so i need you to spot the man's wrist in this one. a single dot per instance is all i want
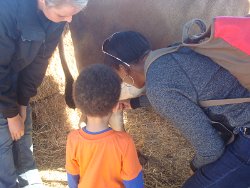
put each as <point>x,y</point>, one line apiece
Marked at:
<point>22,107</point>
<point>10,113</point>
<point>23,101</point>
<point>12,118</point>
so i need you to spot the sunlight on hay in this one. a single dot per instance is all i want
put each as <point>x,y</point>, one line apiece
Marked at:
<point>54,178</point>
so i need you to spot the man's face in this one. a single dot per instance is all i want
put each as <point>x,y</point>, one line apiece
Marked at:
<point>60,13</point>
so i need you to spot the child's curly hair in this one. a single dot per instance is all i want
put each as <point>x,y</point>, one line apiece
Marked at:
<point>97,90</point>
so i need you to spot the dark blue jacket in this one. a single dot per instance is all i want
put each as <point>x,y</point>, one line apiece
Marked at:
<point>27,41</point>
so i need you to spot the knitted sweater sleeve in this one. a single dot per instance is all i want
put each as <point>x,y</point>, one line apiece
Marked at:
<point>173,96</point>
<point>193,124</point>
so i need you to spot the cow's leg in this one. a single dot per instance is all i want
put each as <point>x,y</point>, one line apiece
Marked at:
<point>116,120</point>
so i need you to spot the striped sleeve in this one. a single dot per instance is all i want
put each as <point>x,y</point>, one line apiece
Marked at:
<point>73,180</point>
<point>135,183</point>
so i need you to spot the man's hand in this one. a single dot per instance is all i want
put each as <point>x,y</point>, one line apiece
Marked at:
<point>16,127</point>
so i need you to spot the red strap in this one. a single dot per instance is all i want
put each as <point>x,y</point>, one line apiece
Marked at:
<point>235,31</point>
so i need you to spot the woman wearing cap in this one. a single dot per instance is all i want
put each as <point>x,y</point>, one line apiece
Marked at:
<point>29,33</point>
<point>175,83</point>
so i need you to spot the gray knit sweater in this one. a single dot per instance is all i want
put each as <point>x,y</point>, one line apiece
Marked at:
<point>176,82</point>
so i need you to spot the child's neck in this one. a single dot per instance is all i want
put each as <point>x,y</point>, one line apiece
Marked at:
<point>96,124</point>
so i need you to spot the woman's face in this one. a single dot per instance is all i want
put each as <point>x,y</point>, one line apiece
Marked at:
<point>59,13</point>
<point>131,76</point>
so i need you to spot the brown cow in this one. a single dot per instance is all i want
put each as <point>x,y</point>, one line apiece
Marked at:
<point>160,21</point>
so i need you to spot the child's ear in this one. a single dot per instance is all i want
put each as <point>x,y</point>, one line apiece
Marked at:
<point>116,108</point>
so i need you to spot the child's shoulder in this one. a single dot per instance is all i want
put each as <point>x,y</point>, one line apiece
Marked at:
<point>124,142</point>
<point>74,134</point>
<point>123,136</point>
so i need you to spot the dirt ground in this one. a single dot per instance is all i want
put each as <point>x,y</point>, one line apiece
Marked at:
<point>167,152</point>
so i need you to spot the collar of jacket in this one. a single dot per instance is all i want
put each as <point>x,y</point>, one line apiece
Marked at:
<point>28,22</point>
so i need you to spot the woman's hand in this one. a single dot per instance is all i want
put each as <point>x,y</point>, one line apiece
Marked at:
<point>125,104</point>
<point>191,172</point>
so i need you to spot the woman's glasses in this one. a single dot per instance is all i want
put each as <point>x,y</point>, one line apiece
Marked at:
<point>123,62</point>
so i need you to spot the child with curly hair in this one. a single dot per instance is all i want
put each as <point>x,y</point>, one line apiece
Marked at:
<point>96,155</point>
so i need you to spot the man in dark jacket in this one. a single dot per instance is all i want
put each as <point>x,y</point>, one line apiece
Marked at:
<point>29,33</point>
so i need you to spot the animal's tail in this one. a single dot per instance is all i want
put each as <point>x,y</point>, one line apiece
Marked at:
<point>68,77</point>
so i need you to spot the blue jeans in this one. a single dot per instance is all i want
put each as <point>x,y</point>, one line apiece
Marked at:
<point>16,157</point>
<point>232,170</point>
